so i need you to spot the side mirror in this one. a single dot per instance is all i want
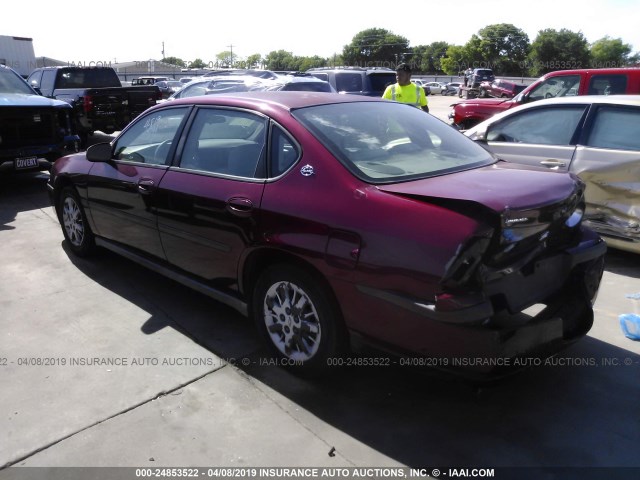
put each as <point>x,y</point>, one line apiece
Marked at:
<point>479,136</point>
<point>100,152</point>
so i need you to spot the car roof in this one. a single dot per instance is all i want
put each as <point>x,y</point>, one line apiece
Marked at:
<point>268,100</point>
<point>587,100</point>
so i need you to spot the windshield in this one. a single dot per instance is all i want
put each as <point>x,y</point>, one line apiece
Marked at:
<point>11,82</point>
<point>386,142</point>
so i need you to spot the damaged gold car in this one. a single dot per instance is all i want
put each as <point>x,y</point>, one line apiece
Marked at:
<point>595,137</point>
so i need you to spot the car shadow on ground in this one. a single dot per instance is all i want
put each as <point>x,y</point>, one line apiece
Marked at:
<point>20,193</point>
<point>569,411</point>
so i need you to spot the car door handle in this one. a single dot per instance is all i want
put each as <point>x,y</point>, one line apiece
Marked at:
<point>145,186</point>
<point>240,206</point>
<point>552,163</point>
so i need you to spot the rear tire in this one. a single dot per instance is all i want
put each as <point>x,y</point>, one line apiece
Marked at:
<point>75,226</point>
<point>298,319</point>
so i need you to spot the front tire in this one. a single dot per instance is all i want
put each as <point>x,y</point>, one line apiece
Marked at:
<point>298,319</point>
<point>75,226</point>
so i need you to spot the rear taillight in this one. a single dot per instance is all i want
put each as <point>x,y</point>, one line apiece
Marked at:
<point>87,103</point>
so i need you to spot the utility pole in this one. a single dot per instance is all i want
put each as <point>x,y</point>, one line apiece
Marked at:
<point>231,47</point>
<point>163,50</point>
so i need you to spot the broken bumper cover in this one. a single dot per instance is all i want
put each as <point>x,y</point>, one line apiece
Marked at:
<point>476,338</point>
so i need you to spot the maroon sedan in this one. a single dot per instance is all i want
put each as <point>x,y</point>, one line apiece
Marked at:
<point>325,215</point>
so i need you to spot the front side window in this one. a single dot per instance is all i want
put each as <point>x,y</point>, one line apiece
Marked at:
<point>561,86</point>
<point>616,128</point>
<point>384,142</point>
<point>226,142</point>
<point>543,126</point>
<point>150,138</point>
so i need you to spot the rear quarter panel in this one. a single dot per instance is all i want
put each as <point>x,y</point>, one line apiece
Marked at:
<point>356,235</point>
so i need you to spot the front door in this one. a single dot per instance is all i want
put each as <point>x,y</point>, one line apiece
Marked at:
<point>122,192</point>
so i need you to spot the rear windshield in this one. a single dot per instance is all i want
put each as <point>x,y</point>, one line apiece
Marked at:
<point>387,142</point>
<point>307,87</point>
<point>87,78</point>
<point>380,81</point>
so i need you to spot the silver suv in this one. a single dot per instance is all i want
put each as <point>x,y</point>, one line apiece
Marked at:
<point>356,80</point>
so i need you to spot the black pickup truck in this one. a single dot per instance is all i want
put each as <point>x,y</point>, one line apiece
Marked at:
<point>34,131</point>
<point>99,100</point>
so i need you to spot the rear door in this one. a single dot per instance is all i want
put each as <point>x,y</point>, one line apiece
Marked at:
<point>543,137</point>
<point>209,205</point>
<point>122,192</point>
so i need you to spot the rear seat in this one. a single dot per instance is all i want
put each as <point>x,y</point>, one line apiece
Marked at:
<point>226,156</point>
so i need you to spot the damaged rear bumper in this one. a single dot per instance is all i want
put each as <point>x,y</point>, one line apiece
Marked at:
<point>489,330</point>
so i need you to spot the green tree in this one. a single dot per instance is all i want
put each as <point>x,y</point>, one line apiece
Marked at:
<point>610,52</point>
<point>197,63</point>
<point>376,47</point>
<point>459,58</point>
<point>178,62</point>
<point>225,59</point>
<point>503,48</point>
<point>254,60</point>
<point>558,50</point>
<point>312,62</point>
<point>428,58</point>
<point>455,61</point>
<point>280,60</point>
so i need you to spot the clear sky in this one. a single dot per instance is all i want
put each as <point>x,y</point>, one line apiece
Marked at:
<point>109,31</point>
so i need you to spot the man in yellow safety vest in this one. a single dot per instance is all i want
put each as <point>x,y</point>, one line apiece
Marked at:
<point>405,91</point>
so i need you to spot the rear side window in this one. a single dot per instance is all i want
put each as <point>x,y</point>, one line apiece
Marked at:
<point>46,85</point>
<point>616,128</point>
<point>348,82</point>
<point>542,126</point>
<point>284,152</point>
<point>607,85</point>
<point>225,141</point>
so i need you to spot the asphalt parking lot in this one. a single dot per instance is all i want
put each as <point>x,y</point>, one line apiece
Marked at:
<point>105,364</point>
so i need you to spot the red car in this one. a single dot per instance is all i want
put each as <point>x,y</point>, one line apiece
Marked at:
<point>560,83</point>
<point>500,88</point>
<point>321,215</point>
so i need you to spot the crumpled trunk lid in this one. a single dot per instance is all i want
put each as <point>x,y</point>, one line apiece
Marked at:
<point>497,187</point>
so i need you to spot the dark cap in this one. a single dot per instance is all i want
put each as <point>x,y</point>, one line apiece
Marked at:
<point>403,67</point>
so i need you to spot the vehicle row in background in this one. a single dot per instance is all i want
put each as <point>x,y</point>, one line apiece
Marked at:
<point>98,99</point>
<point>34,131</point>
<point>605,81</point>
